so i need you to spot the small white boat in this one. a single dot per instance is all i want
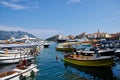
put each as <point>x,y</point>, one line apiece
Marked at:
<point>45,44</point>
<point>5,59</point>
<point>10,51</point>
<point>13,72</point>
<point>25,67</point>
<point>106,52</point>
<point>117,52</point>
<point>13,56</point>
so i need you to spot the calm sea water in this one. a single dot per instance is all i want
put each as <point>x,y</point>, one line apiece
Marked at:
<point>52,69</point>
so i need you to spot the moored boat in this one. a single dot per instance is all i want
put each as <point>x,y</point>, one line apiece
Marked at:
<point>103,61</point>
<point>46,44</point>
<point>61,39</point>
<point>13,59</point>
<point>90,59</point>
<point>69,46</point>
<point>107,52</point>
<point>105,48</point>
<point>19,52</point>
<point>13,72</point>
<point>117,53</point>
<point>23,69</point>
<point>68,49</point>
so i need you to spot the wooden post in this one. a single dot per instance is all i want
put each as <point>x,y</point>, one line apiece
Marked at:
<point>6,51</point>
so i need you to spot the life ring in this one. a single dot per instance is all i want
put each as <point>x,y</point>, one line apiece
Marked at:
<point>21,77</point>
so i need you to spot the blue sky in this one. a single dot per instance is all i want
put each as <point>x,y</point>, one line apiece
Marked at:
<point>45,18</point>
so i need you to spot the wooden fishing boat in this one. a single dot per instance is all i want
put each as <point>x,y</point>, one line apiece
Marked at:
<point>102,61</point>
<point>91,57</point>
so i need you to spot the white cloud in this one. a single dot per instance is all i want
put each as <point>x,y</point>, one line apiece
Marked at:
<point>14,0</point>
<point>19,4</point>
<point>40,33</point>
<point>12,5</point>
<point>9,28</point>
<point>74,1</point>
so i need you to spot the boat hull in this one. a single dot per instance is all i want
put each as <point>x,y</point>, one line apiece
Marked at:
<point>61,40</point>
<point>107,52</point>
<point>46,46</point>
<point>10,60</point>
<point>99,62</point>
<point>117,53</point>
<point>65,49</point>
<point>20,73</point>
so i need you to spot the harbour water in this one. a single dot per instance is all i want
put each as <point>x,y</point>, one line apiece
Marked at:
<point>52,69</point>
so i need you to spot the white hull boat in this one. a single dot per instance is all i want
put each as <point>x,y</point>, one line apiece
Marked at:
<point>14,73</point>
<point>18,52</point>
<point>117,53</point>
<point>13,59</point>
<point>11,52</point>
<point>106,52</point>
<point>25,66</point>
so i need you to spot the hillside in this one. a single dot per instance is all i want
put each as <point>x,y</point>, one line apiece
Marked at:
<point>17,34</point>
<point>52,38</point>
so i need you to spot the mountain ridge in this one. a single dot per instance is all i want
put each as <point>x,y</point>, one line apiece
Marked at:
<point>17,34</point>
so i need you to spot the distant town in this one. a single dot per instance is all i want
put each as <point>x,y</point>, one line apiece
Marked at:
<point>5,35</point>
<point>97,35</point>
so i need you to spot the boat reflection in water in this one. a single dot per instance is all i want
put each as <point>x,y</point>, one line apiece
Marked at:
<point>90,73</point>
<point>116,70</point>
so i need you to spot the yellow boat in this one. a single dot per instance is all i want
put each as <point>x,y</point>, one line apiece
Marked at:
<point>65,49</point>
<point>102,61</point>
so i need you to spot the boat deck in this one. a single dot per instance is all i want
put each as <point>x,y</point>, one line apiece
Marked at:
<point>93,57</point>
<point>8,68</point>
